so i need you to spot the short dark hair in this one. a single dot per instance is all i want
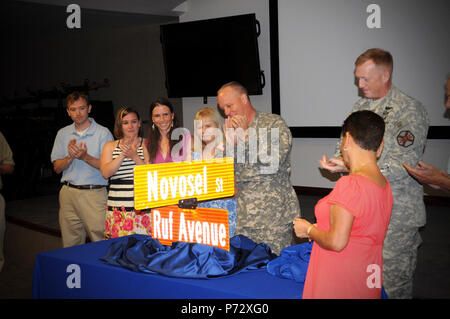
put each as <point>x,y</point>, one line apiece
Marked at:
<point>74,96</point>
<point>366,128</point>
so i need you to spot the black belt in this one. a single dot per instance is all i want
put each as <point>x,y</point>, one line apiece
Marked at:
<point>84,186</point>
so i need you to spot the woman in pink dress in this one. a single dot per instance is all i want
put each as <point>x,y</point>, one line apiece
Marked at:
<point>166,141</point>
<point>346,259</point>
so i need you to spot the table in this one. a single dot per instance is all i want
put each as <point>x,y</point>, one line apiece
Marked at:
<point>78,272</point>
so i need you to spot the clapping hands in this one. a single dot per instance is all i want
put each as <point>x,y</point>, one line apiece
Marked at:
<point>427,174</point>
<point>230,128</point>
<point>236,121</point>
<point>129,149</point>
<point>77,151</point>
<point>334,165</point>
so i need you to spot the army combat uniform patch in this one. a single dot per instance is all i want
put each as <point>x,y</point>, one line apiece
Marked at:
<point>405,138</point>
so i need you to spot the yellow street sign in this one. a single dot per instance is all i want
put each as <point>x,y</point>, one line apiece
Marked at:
<point>202,225</point>
<point>157,185</point>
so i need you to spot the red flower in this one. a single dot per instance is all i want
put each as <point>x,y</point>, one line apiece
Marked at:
<point>106,226</point>
<point>145,221</point>
<point>117,215</point>
<point>128,224</point>
<point>115,231</point>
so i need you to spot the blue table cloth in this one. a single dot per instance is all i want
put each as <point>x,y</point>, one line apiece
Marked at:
<point>79,272</point>
<point>188,260</point>
<point>292,263</point>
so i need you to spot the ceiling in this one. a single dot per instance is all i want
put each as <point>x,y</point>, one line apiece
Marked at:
<point>149,7</point>
<point>50,15</point>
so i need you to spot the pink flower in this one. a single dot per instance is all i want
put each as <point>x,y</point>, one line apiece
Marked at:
<point>145,221</point>
<point>128,224</point>
<point>117,216</point>
<point>115,231</point>
<point>106,226</point>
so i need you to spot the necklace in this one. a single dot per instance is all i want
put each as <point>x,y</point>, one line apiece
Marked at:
<point>358,169</point>
<point>363,164</point>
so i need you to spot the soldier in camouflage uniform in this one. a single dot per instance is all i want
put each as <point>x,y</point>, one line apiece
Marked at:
<point>404,141</point>
<point>267,202</point>
<point>427,173</point>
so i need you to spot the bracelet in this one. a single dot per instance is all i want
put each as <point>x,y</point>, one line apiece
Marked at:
<point>309,230</point>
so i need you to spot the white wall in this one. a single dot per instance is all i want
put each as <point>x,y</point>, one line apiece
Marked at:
<point>320,40</point>
<point>306,151</point>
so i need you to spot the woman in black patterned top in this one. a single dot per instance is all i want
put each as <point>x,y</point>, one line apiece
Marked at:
<point>117,163</point>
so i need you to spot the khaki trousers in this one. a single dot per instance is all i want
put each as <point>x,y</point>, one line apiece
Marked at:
<point>81,212</point>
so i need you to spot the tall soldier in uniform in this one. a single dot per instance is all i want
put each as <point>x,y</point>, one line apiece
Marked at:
<point>404,141</point>
<point>267,202</point>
